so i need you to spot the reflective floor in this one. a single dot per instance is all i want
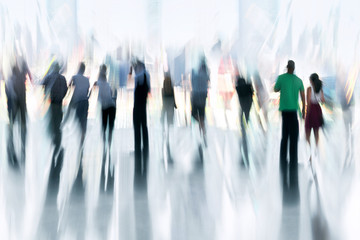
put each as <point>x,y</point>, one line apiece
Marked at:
<point>195,192</point>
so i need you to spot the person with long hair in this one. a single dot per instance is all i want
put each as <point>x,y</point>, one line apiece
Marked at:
<point>314,118</point>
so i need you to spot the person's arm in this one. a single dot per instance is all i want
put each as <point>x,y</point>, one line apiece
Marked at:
<point>302,94</point>
<point>148,82</point>
<point>71,82</point>
<point>322,97</point>
<point>91,89</point>
<point>64,87</point>
<point>277,86</point>
<point>45,81</point>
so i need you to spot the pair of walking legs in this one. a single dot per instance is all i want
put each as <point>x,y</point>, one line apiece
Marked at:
<point>316,133</point>
<point>108,120</point>
<point>140,129</point>
<point>56,116</point>
<point>290,131</point>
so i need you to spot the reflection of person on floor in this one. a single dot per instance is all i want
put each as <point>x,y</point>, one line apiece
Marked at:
<point>79,101</point>
<point>142,89</point>
<point>169,104</point>
<point>200,79</point>
<point>289,86</point>
<point>314,118</point>
<point>56,87</point>
<point>245,93</point>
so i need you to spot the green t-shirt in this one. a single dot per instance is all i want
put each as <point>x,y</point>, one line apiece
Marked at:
<point>289,86</point>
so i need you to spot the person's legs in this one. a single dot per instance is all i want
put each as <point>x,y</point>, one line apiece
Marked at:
<point>316,133</point>
<point>137,142</point>
<point>55,124</point>
<point>81,114</point>
<point>104,114</point>
<point>245,160</point>
<point>308,133</point>
<point>284,146</point>
<point>294,136</point>
<point>145,136</point>
<point>57,115</point>
<point>112,115</point>
<point>284,136</point>
<point>23,130</point>
<point>201,112</point>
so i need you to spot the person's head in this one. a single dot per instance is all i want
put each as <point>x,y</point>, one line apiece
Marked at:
<point>139,66</point>
<point>290,66</point>
<point>56,67</point>
<point>15,69</point>
<point>315,82</point>
<point>102,71</point>
<point>81,68</point>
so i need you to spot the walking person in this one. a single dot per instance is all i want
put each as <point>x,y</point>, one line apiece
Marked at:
<point>167,113</point>
<point>108,106</point>
<point>200,79</point>
<point>56,88</point>
<point>16,94</point>
<point>107,101</point>
<point>245,93</point>
<point>80,100</point>
<point>314,118</point>
<point>142,89</point>
<point>289,86</point>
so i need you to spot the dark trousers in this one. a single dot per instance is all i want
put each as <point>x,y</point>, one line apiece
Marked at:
<point>290,130</point>
<point>140,124</point>
<point>108,119</point>
<point>55,119</point>
<point>56,115</point>
<point>82,108</point>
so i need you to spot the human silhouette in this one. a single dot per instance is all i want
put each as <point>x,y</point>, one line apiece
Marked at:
<point>314,118</point>
<point>80,100</point>
<point>142,89</point>
<point>245,93</point>
<point>200,79</point>
<point>107,101</point>
<point>289,86</point>
<point>167,113</point>
<point>55,88</point>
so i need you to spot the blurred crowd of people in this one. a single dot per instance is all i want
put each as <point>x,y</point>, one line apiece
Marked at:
<point>249,88</point>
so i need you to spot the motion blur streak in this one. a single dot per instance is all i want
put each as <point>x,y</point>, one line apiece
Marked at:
<point>158,119</point>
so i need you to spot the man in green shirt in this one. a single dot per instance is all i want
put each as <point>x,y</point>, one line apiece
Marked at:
<point>289,86</point>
